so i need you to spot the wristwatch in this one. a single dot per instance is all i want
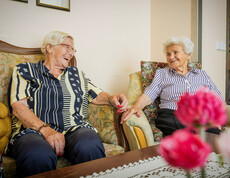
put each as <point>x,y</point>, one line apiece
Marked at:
<point>44,125</point>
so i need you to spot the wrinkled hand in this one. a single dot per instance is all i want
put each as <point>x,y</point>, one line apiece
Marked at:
<point>119,101</point>
<point>55,139</point>
<point>127,114</point>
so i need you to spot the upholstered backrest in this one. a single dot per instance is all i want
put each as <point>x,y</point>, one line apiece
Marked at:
<point>135,87</point>
<point>7,63</point>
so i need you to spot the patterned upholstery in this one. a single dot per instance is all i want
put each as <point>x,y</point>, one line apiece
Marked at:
<point>105,125</point>
<point>102,117</point>
<point>148,70</point>
<point>7,62</point>
<point>135,87</point>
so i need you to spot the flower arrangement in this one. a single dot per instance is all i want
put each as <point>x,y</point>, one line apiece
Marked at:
<point>197,112</point>
<point>184,149</point>
<point>203,109</point>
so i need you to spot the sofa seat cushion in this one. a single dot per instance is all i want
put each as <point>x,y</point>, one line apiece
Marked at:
<point>111,149</point>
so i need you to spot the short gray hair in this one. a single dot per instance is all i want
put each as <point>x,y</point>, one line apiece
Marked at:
<point>184,41</point>
<point>54,38</point>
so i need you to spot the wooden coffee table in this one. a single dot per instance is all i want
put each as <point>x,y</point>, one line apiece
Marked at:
<point>103,164</point>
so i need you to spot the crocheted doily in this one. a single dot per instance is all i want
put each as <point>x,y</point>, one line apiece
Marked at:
<point>158,167</point>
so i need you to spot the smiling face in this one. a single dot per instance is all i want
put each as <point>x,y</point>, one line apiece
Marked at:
<point>61,54</point>
<point>177,58</point>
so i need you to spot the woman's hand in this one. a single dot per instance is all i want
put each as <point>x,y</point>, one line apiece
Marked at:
<point>55,139</point>
<point>119,101</point>
<point>30,120</point>
<point>141,102</point>
<point>127,114</point>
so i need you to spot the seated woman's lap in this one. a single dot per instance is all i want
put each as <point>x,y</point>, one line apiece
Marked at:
<point>33,155</point>
<point>83,145</point>
<point>168,123</point>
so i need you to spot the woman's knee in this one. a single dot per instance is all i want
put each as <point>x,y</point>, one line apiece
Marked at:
<point>88,145</point>
<point>34,163</point>
<point>34,155</point>
<point>39,155</point>
<point>88,141</point>
<point>84,145</point>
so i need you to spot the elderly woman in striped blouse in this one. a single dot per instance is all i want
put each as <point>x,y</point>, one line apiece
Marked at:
<point>169,83</point>
<point>49,101</point>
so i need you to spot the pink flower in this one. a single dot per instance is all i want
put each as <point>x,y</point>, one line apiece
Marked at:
<point>203,108</point>
<point>184,149</point>
<point>223,143</point>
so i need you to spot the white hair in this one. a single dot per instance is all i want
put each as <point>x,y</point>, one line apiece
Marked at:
<point>184,41</point>
<point>54,38</point>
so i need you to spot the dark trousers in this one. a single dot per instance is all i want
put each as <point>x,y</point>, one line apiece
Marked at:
<point>34,154</point>
<point>168,123</point>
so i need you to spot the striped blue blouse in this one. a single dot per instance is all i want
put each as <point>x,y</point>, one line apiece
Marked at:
<point>61,102</point>
<point>169,85</point>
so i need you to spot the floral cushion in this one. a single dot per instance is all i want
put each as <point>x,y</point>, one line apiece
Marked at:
<point>111,149</point>
<point>135,87</point>
<point>102,118</point>
<point>148,70</point>
<point>7,63</point>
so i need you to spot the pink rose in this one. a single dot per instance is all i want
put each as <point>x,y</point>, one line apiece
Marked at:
<point>184,149</point>
<point>203,108</point>
<point>223,143</point>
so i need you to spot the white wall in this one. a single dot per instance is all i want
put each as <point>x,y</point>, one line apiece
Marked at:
<point>214,30</point>
<point>168,18</point>
<point>173,18</point>
<point>111,36</point>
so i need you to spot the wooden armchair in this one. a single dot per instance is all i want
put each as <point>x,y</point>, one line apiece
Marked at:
<point>103,117</point>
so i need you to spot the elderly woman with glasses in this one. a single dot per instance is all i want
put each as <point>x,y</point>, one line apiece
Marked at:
<point>49,102</point>
<point>171,82</point>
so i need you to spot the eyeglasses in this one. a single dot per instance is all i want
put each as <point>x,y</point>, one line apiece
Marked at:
<point>69,48</point>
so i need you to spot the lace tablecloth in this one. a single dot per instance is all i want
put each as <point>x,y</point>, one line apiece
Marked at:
<point>158,167</point>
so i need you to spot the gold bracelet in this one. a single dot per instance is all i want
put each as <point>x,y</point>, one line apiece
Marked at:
<point>43,125</point>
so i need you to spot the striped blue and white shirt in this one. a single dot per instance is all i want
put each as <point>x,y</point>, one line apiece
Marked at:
<point>61,102</point>
<point>169,85</point>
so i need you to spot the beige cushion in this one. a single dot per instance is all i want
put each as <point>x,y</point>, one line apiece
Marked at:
<point>135,87</point>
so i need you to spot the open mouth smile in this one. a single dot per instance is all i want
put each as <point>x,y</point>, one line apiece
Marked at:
<point>173,61</point>
<point>67,59</point>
